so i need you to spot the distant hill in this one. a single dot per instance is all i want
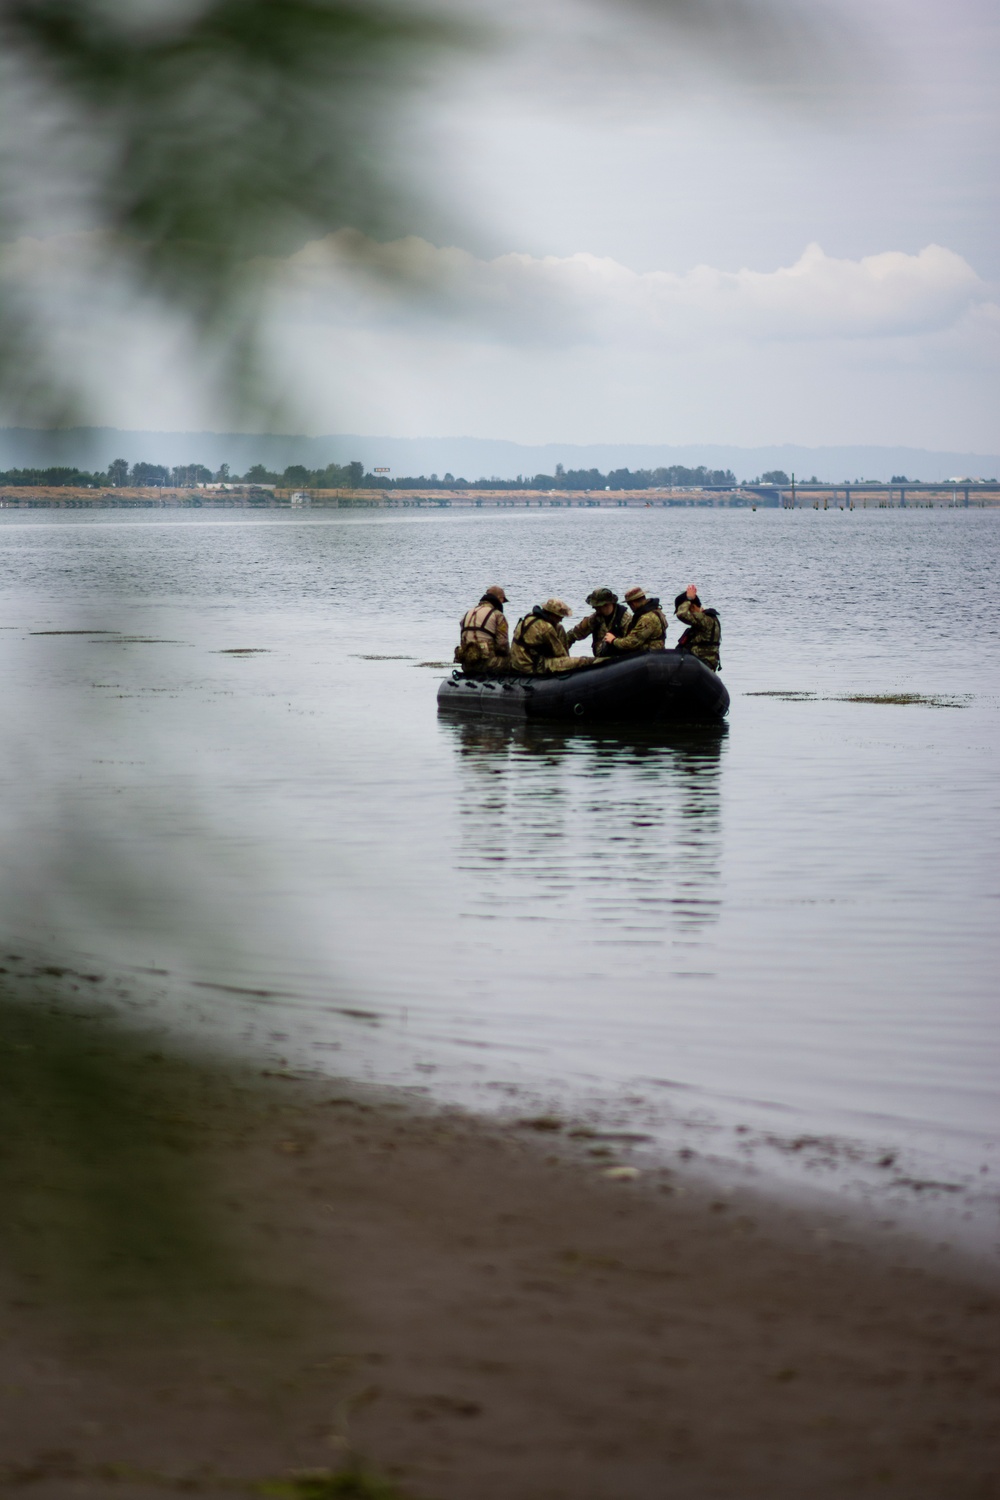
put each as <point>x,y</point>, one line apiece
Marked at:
<point>470,458</point>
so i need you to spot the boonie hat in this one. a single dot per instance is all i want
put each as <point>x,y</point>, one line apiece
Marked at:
<point>635,596</point>
<point>497,592</point>
<point>556,607</point>
<point>602,596</point>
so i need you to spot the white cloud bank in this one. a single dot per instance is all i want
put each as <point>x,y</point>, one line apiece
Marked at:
<point>410,339</point>
<point>561,301</point>
<point>414,340</point>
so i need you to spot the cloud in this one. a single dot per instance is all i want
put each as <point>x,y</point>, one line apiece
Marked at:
<point>413,339</point>
<point>582,298</point>
<point>562,301</point>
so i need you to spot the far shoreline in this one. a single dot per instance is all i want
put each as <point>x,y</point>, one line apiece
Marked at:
<point>844,496</point>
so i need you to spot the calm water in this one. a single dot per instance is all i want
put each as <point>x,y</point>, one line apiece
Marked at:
<point>793,919</point>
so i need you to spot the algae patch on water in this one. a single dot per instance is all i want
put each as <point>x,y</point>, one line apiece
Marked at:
<point>790,695</point>
<point>929,700</point>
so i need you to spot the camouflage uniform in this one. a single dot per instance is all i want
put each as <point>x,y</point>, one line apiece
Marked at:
<point>484,645</point>
<point>704,633</point>
<point>597,625</point>
<point>647,630</point>
<point>540,646</point>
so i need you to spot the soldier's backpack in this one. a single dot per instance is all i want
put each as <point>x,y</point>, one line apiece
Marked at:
<point>472,650</point>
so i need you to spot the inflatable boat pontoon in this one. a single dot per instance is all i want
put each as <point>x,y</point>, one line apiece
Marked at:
<point>656,687</point>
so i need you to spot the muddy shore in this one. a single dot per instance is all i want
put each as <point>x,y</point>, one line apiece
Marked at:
<point>477,1310</point>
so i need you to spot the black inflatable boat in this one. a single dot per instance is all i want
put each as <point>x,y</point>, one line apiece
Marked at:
<point>657,687</point>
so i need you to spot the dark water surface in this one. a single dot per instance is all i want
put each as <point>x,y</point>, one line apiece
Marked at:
<point>792,919</point>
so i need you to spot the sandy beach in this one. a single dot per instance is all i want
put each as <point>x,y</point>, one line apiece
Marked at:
<point>479,1311</point>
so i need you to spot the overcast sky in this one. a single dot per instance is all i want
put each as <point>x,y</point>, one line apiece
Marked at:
<point>620,231</point>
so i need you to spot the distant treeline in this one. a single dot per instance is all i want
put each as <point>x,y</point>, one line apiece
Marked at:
<point>571,479</point>
<point>51,477</point>
<point>353,476</point>
<point>120,475</point>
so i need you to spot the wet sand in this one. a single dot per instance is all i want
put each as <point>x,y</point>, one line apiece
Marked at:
<point>480,1313</point>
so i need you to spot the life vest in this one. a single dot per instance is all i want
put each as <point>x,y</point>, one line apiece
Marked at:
<point>715,629</point>
<point>612,624</point>
<point>650,606</point>
<point>478,639</point>
<point>709,640</point>
<point>534,654</point>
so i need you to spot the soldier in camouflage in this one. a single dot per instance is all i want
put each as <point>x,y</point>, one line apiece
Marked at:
<point>608,615</point>
<point>484,645</point>
<point>540,644</point>
<point>703,636</point>
<point>647,629</point>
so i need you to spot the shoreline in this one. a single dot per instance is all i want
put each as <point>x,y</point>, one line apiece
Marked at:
<point>881,1182</point>
<point>885,1180</point>
<point>498,1309</point>
<point>873,496</point>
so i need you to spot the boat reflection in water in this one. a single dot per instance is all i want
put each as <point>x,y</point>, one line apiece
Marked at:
<point>618,828</point>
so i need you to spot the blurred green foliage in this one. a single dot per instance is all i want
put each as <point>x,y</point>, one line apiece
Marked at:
<point>105,1198</point>
<point>198,138</point>
<point>227,130</point>
<point>352,1483</point>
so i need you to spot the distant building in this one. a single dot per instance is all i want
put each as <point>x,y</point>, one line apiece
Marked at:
<point>218,484</point>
